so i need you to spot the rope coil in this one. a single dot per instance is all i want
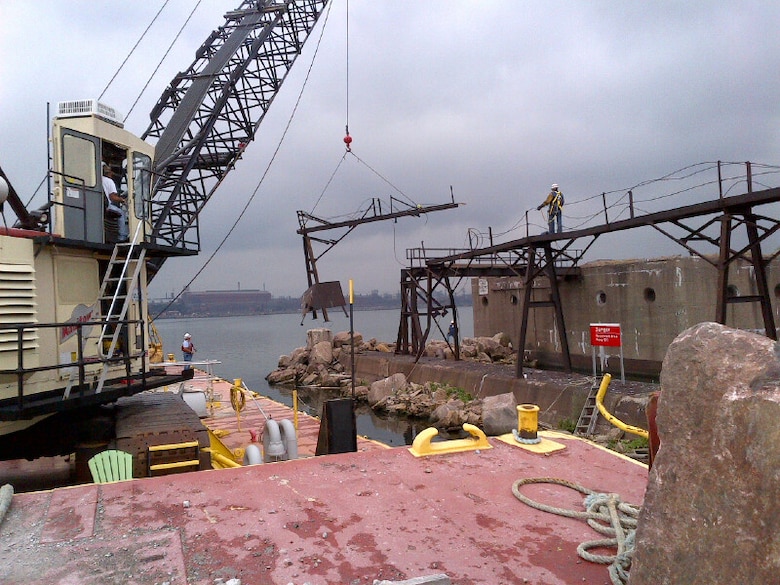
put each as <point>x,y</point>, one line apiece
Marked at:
<point>606,514</point>
<point>237,398</point>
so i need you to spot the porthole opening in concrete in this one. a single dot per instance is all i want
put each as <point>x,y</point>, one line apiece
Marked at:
<point>484,302</point>
<point>777,291</point>
<point>732,291</point>
<point>601,298</point>
<point>649,294</point>
<point>513,299</point>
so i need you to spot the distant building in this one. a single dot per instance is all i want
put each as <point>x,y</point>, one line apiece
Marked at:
<point>226,302</point>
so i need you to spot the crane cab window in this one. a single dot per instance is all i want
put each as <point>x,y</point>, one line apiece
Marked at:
<point>79,157</point>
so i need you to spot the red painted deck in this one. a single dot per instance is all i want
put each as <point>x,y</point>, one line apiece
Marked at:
<point>234,431</point>
<point>348,518</point>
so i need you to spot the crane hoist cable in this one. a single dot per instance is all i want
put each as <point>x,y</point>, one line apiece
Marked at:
<point>347,138</point>
<point>173,42</point>
<point>138,42</point>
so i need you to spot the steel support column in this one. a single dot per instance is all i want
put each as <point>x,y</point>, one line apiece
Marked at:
<point>548,267</point>
<point>759,270</point>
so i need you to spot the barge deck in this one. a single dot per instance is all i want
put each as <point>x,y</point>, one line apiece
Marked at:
<point>351,518</point>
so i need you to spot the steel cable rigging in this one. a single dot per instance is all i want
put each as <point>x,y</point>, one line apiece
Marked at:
<point>138,42</point>
<point>159,64</point>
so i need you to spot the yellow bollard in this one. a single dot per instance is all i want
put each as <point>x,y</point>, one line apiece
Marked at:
<point>527,423</point>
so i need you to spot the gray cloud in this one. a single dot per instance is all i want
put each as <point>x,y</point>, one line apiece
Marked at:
<point>497,99</point>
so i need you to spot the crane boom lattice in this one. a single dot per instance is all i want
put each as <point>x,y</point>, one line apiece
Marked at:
<point>210,112</point>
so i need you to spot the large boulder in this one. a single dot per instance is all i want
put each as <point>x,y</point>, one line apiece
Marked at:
<point>499,414</point>
<point>343,338</point>
<point>503,339</point>
<point>487,345</point>
<point>713,496</point>
<point>380,390</point>
<point>449,415</point>
<point>299,355</point>
<point>286,376</point>
<point>321,353</point>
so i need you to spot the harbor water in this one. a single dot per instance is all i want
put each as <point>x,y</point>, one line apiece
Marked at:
<point>249,347</point>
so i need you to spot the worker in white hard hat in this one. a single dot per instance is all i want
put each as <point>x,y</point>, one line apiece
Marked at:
<point>554,203</point>
<point>187,348</point>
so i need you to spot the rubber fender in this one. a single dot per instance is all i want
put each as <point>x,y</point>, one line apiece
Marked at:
<point>196,401</point>
<point>252,455</point>
<point>289,438</point>
<point>273,446</point>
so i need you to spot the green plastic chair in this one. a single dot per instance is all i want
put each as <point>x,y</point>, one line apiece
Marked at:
<point>110,466</point>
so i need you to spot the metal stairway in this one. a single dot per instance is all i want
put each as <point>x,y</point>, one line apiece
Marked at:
<point>589,415</point>
<point>121,277</point>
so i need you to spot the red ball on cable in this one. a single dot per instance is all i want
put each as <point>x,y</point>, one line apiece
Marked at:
<point>348,141</point>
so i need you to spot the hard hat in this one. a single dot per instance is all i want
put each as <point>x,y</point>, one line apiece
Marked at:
<point>554,186</point>
<point>187,336</point>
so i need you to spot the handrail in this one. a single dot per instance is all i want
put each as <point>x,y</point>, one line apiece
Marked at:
<point>613,419</point>
<point>81,360</point>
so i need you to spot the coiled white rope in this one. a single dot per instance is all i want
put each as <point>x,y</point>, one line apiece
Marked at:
<point>606,514</point>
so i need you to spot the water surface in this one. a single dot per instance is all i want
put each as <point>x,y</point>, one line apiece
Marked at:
<point>249,348</point>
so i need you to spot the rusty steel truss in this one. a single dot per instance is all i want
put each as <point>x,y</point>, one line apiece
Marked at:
<point>372,213</point>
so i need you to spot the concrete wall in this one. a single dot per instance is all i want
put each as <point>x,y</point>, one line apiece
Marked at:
<point>652,300</point>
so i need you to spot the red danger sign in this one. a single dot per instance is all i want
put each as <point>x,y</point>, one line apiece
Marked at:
<point>605,334</point>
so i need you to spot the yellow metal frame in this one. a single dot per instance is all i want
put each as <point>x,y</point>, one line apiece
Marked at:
<point>175,464</point>
<point>221,455</point>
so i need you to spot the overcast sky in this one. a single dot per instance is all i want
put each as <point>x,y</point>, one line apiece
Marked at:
<point>494,99</point>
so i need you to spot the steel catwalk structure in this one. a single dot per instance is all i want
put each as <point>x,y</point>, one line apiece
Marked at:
<point>712,223</point>
<point>210,113</point>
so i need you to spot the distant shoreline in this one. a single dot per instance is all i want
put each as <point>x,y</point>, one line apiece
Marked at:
<point>167,315</point>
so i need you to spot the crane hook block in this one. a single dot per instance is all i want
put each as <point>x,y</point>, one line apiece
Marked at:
<point>348,141</point>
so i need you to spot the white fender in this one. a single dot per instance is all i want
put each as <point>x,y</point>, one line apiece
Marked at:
<point>196,400</point>
<point>252,455</point>
<point>290,439</point>
<point>273,446</point>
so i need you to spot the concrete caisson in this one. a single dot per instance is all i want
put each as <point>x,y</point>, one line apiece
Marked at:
<point>653,301</point>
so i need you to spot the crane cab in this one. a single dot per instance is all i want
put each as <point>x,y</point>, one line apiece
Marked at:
<point>86,134</point>
<point>74,328</point>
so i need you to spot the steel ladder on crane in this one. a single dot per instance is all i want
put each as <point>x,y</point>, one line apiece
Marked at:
<point>121,277</point>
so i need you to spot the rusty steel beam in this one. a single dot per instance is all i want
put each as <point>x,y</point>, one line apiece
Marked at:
<point>412,211</point>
